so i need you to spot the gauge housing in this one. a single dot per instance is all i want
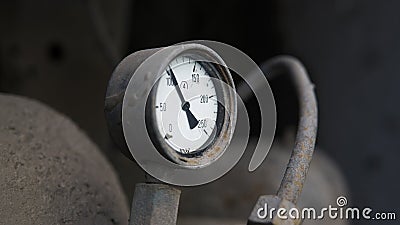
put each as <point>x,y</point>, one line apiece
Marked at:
<point>226,117</point>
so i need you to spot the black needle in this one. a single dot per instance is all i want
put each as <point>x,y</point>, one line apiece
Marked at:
<point>191,118</point>
<point>185,105</point>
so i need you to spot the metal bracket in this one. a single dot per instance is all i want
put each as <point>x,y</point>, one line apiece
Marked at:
<point>155,204</point>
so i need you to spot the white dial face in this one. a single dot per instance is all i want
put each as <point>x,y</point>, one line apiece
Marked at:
<point>186,106</point>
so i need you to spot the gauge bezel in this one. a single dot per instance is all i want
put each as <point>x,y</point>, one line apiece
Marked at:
<point>226,114</point>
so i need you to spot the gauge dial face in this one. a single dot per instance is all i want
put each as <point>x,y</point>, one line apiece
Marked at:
<point>186,106</point>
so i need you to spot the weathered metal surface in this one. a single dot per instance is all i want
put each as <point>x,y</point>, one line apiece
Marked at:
<point>50,171</point>
<point>154,204</point>
<point>115,94</point>
<point>296,171</point>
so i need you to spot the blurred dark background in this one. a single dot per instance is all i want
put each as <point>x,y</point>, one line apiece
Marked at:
<point>63,52</point>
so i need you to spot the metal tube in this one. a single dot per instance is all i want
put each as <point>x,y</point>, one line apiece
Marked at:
<point>154,204</point>
<point>296,171</point>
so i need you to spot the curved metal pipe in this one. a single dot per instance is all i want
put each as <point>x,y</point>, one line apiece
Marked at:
<point>296,171</point>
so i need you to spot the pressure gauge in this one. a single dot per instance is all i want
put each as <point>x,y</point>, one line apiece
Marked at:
<point>190,109</point>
